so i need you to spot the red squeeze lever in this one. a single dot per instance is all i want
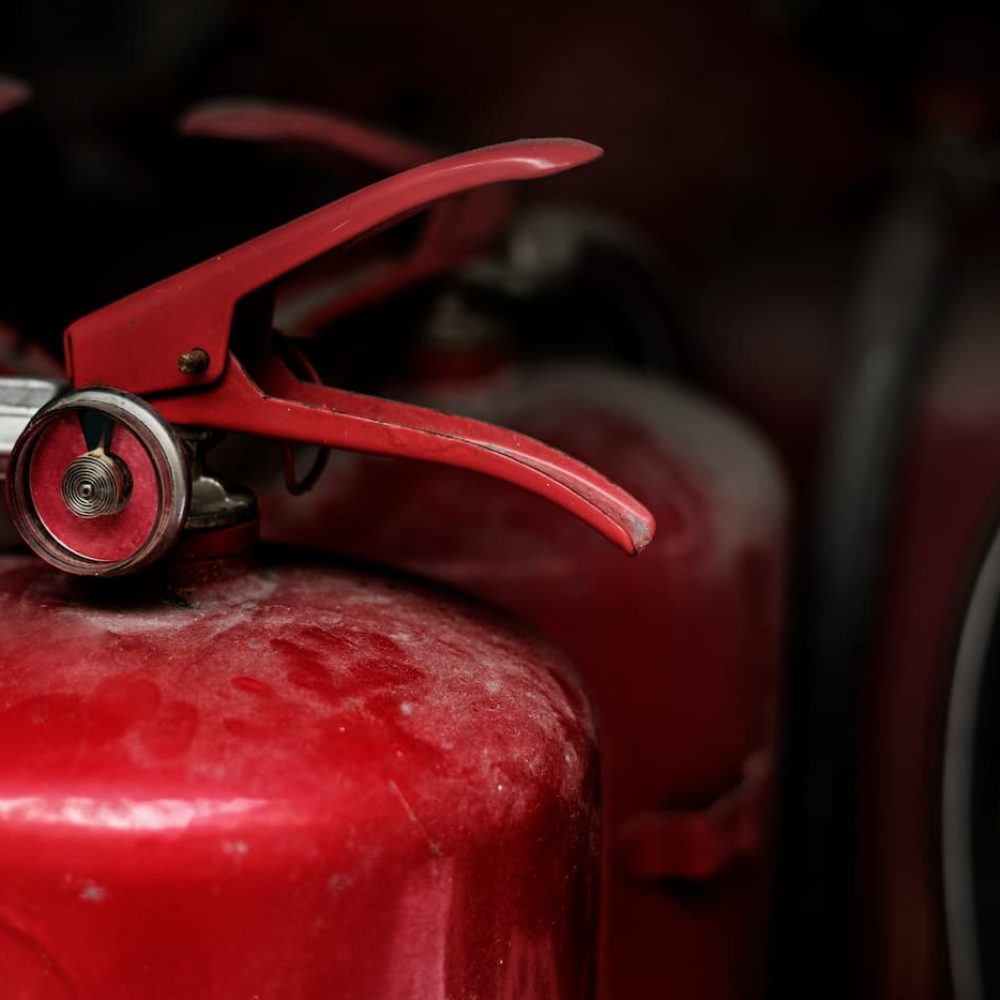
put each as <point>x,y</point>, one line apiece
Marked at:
<point>13,93</point>
<point>456,231</point>
<point>172,342</point>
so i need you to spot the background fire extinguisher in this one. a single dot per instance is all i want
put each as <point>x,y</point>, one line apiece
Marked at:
<point>881,828</point>
<point>686,680</point>
<point>230,776</point>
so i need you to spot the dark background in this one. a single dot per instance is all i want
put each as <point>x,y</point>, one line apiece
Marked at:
<point>754,142</point>
<point>722,120</point>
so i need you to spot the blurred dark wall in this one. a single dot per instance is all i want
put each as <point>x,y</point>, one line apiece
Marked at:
<point>713,115</point>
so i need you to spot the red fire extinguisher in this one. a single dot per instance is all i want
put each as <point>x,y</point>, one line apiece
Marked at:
<point>238,775</point>
<point>682,654</point>
<point>891,878</point>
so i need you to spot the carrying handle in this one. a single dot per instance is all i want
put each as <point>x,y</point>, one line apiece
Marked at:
<point>456,230</point>
<point>171,344</point>
<point>698,845</point>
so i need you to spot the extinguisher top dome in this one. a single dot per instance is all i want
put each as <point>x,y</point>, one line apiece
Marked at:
<point>98,482</point>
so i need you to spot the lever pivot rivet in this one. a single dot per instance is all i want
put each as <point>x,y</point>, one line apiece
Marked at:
<point>193,362</point>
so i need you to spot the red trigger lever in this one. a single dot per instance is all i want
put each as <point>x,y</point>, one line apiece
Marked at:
<point>196,350</point>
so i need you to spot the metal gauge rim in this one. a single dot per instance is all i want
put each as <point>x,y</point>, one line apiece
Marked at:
<point>165,451</point>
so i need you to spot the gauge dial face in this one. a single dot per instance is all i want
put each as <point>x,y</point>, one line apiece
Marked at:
<point>111,537</point>
<point>98,483</point>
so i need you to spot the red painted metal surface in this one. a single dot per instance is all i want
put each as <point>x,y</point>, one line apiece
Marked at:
<point>681,649</point>
<point>286,781</point>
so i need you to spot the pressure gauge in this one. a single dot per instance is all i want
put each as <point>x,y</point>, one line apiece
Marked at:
<point>97,483</point>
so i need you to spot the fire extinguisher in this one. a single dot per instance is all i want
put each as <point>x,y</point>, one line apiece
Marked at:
<point>682,654</point>
<point>239,775</point>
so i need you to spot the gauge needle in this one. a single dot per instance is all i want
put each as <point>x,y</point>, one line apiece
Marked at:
<point>97,428</point>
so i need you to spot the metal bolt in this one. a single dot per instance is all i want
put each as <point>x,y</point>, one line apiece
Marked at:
<point>193,362</point>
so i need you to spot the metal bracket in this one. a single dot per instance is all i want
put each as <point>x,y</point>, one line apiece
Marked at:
<point>699,844</point>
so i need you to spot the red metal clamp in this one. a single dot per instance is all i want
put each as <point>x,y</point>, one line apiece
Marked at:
<point>198,346</point>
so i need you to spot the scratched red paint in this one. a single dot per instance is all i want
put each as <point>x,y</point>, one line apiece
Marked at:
<point>291,781</point>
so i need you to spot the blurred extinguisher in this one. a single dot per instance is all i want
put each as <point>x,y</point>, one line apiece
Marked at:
<point>929,704</point>
<point>230,773</point>
<point>18,356</point>
<point>682,652</point>
<point>888,852</point>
